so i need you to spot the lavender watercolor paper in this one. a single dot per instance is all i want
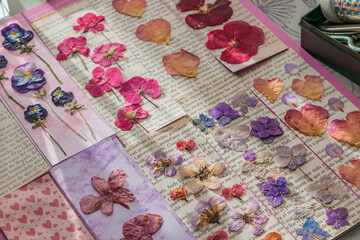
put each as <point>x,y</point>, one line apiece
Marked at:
<point>74,175</point>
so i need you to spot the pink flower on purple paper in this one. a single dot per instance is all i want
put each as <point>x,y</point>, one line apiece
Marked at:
<point>110,191</point>
<point>136,87</point>
<point>223,113</point>
<point>142,227</point>
<point>266,129</point>
<point>108,53</point>
<point>129,115</point>
<point>218,235</point>
<point>102,81</point>
<point>90,22</point>
<point>71,46</point>
<point>337,217</point>
<point>160,164</point>
<point>274,190</point>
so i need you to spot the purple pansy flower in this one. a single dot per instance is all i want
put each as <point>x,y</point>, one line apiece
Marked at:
<point>223,113</point>
<point>242,100</point>
<point>26,77</point>
<point>250,217</point>
<point>255,161</point>
<point>15,36</point>
<point>3,61</point>
<point>232,137</point>
<point>337,217</point>
<point>60,97</point>
<point>289,99</point>
<point>336,104</point>
<point>310,229</point>
<point>326,190</point>
<point>34,113</point>
<point>274,190</point>
<point>160,164</point>
<point>290,157</point>
<point>266,129</point>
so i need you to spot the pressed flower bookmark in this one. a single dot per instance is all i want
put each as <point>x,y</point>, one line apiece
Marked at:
<point>17,38</point>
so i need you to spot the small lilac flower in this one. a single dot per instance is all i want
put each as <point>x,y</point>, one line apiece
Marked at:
<point>223,113</point>
<point>274,190</point>
<point>3,61</point>
<point>290,157</point>
<point>336,104</point>
<point>289,99</point>
<point>34,113</point>
<point>334,150</point>
<point>249,155</point>
<point>326,190</point>
<point>266,129</point>
<point>232,137</point>
<point>337,217</point>
<point>60,97</point>
<point>291,68</point>
<point>160,164</point>
<point>203,122</point>
<point>255,161</point>
<point>243,100</point>
<point>250,217</point>
<point>26,77</point>
<point>303,208</point>
<point>311,229</point>
<point>15,36</point>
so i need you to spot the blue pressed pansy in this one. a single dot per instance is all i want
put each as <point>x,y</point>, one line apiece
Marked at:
<point>34,113</point>
<point>203,122</point>
<point>3,61</point>
<point>60,97</point>
<point>312,231</point>
<point>26,77</point>
<point>15,36</point>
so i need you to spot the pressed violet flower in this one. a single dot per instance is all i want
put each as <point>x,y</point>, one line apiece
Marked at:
<point>3,77</point>
<point>108,53</point>
<point>60,97</point>
<point>72,46</point>
<point>26,77</point>
<point>129,115</point>
<point>255,162</point>
<point>104,81</point>
<point>185,145</point>
<point>312,231</point>
<point>202,175</point>
<point>242,100</point>
<point>206,14</point>
<point>334,150</point>
<point>232,137</point>
<point>137,87</point>
<point>291,68</point>
<point>251,217</point>
<point>178,194</point>
<point>351,173</point>
<point>218,235</point>
<point>337,217</point>
<point>160,164</point>
<point>142,227</point>
<point>302,208</point>
<point>240,40</point>
<point>273,236</point>
<point>289,99</point>
<point>236,191</point>
<point>223,113</point>
<point>203,122</point>
<point>3,61</point>
<point>274,190</point>
<point>90,22</point>
<point>336,104</point>
<point>110,192</point>
<point>266,129</point>
<point>326,190</point>
<point>206,212</point>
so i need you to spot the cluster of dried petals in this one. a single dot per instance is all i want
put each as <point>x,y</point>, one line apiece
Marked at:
<point>161,164</point>
<point>71,46</point>
<point>142,227</point>
<point>186,145</point>
<point>108,53</point>
<point>129,115</point>
<point>178,194</point>
<point>90,22</point>
<point>103,81</point>
<point>223,113</point>
<point>326,190</point>
<point>236,191</point>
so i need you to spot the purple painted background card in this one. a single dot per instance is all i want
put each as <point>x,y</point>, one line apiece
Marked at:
<point>100,160</point>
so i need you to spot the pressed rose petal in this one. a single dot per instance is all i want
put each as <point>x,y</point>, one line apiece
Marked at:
<point>133,8</point>
<point>182,63</point>
<point>155,31</point>
<point>311,87</point>
<point>142,226</point>
<point>351,174</point>
<point>311,120</point>
<point>226,193</point>
<point>116,179</point>
<point>270,89</point>
<point>100,185</point>
<point>346,131</point>
<point>272,236</point>
<point>90,204</point>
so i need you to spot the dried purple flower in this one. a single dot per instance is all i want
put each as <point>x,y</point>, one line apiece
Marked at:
<point>223,113</point>
<point>326,190</point>
<point>243,100</point>
<point>337,217</point>
<point>289,99</point>
<point>336,104</point>
<point>160,164</point>
<point>232,137</point>
<point>334,150</point>
<point>274,190</point>
<point>291,68</point>
<point>255,161</point>
<point>266,129</point>
<point>302,208</point>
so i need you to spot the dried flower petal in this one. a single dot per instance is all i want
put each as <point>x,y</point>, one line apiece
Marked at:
<point>232,137</point>
<point>129,115</point>
<point>155,31</point>
<point>311,120</point>
<point>133,8</point>
<point>203,122</point>
<point>108,53</point>
<point>270,89</point>
<point>326,190</point>
<point>337,217</point>
<point>311,87</point>
<point>346,131</point>
<point>26,77</point>
<point>185,145</point>
<point>178,194</point>
<point>90,22</point>
<point>351,174</point>
<point>218,235</point>
<point>310,228</point>
<point>182,63</point>
<point>291,68</point>
<point>266,129</point>
<point>336,104</point>
<point>223,113</point>
<point>334,150</point>
<point>274,190</point>
<point>289,99</point>
<point>160,164</point>
<point>242,100</point>
<point>142,227</point>
<point>235,191</point>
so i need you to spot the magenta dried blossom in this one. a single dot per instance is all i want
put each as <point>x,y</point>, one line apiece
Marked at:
<point>73,46</point>
<point>106,54</point>
<point>90,22</point>
<point>142,227</point>
<point>130,115</point>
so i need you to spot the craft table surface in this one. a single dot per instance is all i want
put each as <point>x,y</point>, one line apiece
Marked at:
<point>285,13</point>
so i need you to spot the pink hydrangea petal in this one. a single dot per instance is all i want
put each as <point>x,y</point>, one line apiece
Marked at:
<point>124,125</point>
<point>119,47</point>
<point>90,204</point>
<point>116,179</point>
<point>67,45</point>
<point>94,90</point>
<point>142,114</point>
<point>62,56</point>
<point>114,76</point>
<point>100,185</point>
<point>133,97</point>
<point>99,27</point>
<point>151,88</point>
<point>77,28</point>
<point>106,207</point>
<point>217,39</point>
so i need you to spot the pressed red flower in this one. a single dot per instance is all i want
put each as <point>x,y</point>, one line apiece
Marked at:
<point>71,46</point>
<point>178,194</point>
<point>136,87</point>
<point>185,145</point>
<point>206,14</point>
<point>103,81</point>
<point>240,40</point>
<point>129,115</point>
<point>108,53</point>
<point>235,191</point>
<point>218,235</point>
<point>142,227</point>
<point>90,22</point>
<point>110,191</point>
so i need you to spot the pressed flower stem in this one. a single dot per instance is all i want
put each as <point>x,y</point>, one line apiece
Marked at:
<point>239,199</point>
<point>114,92</point>
<point>116,62</point>
<point>87,124</point>
<point>306,175</point>
<point>141,125</point>
<point>104,36</point>
<point>67,124</point>
<point>123,204</point>
<point>82,61</point>
<point>54,140</point>
<point>10,97</point>
<point>143,95</point>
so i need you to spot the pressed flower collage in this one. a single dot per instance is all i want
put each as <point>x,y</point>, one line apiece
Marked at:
<point>150,131</point>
